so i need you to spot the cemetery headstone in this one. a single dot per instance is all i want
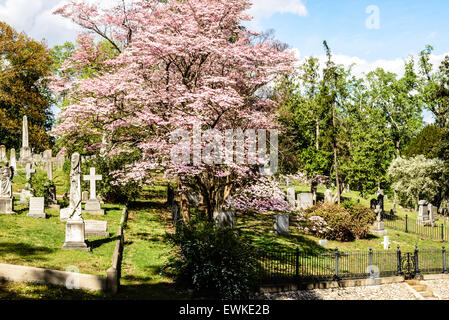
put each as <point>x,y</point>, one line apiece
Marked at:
<point>6,196</point>
<point>305,201</point>
<point>224,218</point>
<point>175,212</point>
<point>386,242</point>
<point>291,197</point>
<point>94,228</point>
<point>93,205</point>
<point>322,243</point>
<point>60,159</point>
<point>281,224</point>
<point>75,227</point>
<point>37,208</point>
<point>379,226</point>
<point>13,160</point>
<point>85,196</point>
<point>423,213</point>
<point>328,198</point>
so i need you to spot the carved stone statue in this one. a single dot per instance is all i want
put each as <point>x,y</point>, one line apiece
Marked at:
<point>6,176</point>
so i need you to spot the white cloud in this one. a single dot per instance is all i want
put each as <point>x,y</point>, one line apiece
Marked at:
<point>267,8</point>
<point>362,66</point>
<point>37,20</point>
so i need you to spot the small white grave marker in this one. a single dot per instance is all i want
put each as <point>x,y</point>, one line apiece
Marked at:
<point>322,242</point>
<point>386,242</point>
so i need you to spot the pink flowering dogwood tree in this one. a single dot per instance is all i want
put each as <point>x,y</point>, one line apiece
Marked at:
<point>177,64</point>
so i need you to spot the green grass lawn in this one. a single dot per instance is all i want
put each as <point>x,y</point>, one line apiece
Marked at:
<point>37,242</point>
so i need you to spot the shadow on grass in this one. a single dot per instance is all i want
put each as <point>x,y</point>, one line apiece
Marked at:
<point>99,242</point>
<point>24,250</point>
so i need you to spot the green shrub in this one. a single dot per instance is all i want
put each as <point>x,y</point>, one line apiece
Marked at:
<point>105,166</point>
<point>41,185</point>
<point>214,262</point>
<point>345,222</point>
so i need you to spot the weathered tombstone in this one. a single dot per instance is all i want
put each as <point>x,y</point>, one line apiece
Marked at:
<point>423,214</point>
<point>291,197</point>
<point>37,208</point>
<point>305,201</point>
<point>433,211</point>
<point>3,157</point>
<point>47,158</point>
<point>6,196</point>
<point>75,228</point>
<point>84,196</point>
<point>25,151</point>
<point>328,198</point>
<point>281,224</point>
<point>288,182</point>
<point>224,218</point>
<point>322,243</point>
<point>13,160</point>
<point>93,205</point>
<point>94,228</point>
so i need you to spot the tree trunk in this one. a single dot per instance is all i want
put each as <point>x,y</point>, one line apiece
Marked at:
<point>337,180</point>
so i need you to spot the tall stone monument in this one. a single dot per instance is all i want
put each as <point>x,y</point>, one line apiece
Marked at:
<point>6,196</point>
<point>93,205</point>
<point>3,157</point>
<point>75,228</point>
<point>25,151</point>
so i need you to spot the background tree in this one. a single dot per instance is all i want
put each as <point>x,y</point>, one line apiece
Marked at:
<point>25,65</point>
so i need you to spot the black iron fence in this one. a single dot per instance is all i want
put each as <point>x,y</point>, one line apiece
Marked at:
<point>439,231</point>
<point>294,265</point>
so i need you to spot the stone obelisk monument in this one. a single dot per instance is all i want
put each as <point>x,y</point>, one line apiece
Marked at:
<point>75,227</point>
<point>25,151</point>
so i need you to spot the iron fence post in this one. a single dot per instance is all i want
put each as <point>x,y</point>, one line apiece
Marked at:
<point>297,262</point>
<point>370,256</point>
<point>417,271</point>
<point>444,260</point>
<point>406,223</point>
<point>336,277</point>
<point>399,261</point>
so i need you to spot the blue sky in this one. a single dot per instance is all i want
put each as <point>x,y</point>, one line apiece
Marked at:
<point>406,26</point>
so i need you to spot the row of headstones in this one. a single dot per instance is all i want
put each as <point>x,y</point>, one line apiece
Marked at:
<point>44,157</point>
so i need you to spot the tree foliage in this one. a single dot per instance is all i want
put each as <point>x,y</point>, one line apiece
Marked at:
<point>25,65</point>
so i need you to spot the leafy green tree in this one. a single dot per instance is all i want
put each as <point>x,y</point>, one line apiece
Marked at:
<point>418,178</point>
<point>428,142</point>
<point>25,66</point>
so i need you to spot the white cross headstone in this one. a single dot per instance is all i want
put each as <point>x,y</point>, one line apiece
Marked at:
<point>92,178</point>
<point>386,242</point>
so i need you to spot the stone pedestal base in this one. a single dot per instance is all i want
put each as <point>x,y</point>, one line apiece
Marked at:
<point>7,205</point>
<point>93,207</point>
<point>74,236</point>
<point>379,229</point>
<point>424,222</point>
<point>54,206</point>
<point>37,215</point>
